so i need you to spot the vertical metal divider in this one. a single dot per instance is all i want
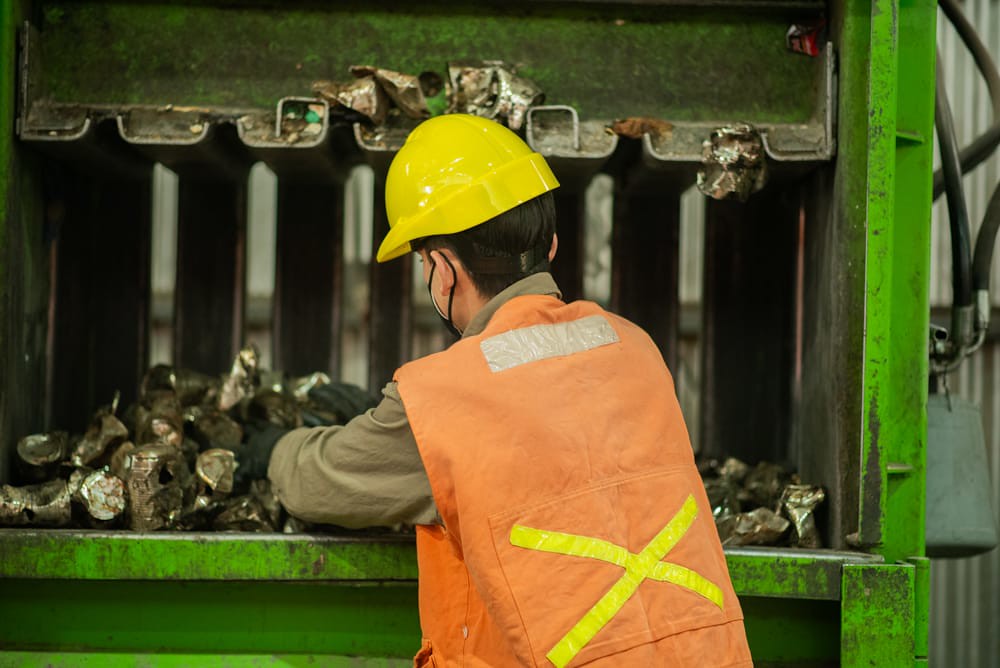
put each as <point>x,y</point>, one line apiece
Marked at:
<point>391,304</point>
<point>211,276</point>
<point>645,260</point>
<point>101,222</point>
<point>308,294</point>
<point>748,329</point>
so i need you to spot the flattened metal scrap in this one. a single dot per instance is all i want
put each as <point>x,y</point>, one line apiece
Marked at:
<point>105,430</point>
<point>733,163</point>
<point>45,504</point>
<point>491,89</point>
<point>39,454</point>
<point>798,502</point>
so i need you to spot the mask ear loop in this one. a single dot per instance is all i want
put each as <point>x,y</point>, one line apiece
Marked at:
<point>448,322</point>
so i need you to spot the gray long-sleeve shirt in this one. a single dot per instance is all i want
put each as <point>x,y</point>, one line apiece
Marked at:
<point>369,471</point>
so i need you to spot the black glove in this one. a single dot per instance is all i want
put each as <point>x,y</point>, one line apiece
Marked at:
<point>254,457</point>
<point>336,403</point>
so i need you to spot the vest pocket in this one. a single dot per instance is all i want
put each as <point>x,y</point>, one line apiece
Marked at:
<point>612,566</point>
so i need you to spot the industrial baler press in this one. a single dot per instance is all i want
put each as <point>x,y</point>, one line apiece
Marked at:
<point>807,124</point>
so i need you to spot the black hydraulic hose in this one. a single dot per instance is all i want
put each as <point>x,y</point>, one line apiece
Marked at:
<point>985,242</point>
<point>958,214</point>
<point>984,145</point>
<point>984,61</point>
<point>972,155</point>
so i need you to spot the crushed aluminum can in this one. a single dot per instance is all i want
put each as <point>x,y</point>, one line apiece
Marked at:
<point>733,163</point>
<point>120,462</point>
<point>103,495</point>
<point>242,379</point>
<point>798,503</point>
<point>215,470</point>
<point>39,455</point>
<point>760,526</point>
<point>405,90</point>
<point>259,510</point>
<point>490,89</point>
<point>160,419</point>
<point>105,430</point>
<point>213,429</point>
<point>158,482</point>
<point>46,504</point>
<point>276,408</point>
<point>364,95</point>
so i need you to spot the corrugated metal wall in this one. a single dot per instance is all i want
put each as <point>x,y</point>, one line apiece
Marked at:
<point>965,593</point>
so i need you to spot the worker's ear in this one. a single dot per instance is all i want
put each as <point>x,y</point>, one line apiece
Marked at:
<point>554,247</point>
<point>448,274</point>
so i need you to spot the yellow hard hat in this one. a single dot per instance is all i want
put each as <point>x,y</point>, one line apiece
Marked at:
<point>455,172</point>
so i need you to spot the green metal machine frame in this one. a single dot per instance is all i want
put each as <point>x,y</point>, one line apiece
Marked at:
<point>117,598</point>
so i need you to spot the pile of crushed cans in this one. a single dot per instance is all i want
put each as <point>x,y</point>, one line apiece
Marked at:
<point>761,505</point>
<point>170,461</point>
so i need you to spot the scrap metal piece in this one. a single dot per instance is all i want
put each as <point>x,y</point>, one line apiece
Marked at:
<point>275,407</point>
<point>119,463</point>
<point>102,494</point>
<point>39,454</point>
<point>798,502</point>
<point>490,89</point>
<point>160,419</point>
<point>214,429</point>
<point>301,386</point>
<point>635,128</point>
<point>405,90</point>
<point>242,379</point>
<point>733,163</point>
<point>215,470</point>
<point>105,430</point>
<point>259,510</point>
<point>363,95</point>
<point>760,526</point>
<point>45,504</point>
<point>158,481</point>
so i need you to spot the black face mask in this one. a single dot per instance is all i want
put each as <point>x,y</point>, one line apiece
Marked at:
<point>446,319</point>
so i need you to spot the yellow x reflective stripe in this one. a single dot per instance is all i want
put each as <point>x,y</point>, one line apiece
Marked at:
<point>638,567</point>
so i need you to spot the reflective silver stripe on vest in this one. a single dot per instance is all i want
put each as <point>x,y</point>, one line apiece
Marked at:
<point>539,342</point>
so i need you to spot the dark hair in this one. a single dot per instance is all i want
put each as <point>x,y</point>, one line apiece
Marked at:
<point>521,230</point>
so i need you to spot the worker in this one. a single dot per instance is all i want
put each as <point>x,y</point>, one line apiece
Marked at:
<point>542,458</point>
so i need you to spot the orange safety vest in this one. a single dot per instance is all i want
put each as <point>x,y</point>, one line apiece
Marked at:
<point>576,529</point>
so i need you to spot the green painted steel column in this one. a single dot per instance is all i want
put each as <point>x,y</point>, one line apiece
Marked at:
<point>899,131</point>
<point>877,612</point>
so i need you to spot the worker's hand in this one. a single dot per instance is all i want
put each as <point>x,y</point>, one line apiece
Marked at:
<point>335,403</point>
<point>254,457</point>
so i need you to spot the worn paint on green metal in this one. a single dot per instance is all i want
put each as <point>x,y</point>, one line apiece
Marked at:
<point>812,575</point>
<point>607,61</point>
<point>213,617</point>
<point>197,556</point>
<point>895,205</point>
<point>904,421</point>
<point>921,611</point>
<point>131,660</point>
<point>877,616</point>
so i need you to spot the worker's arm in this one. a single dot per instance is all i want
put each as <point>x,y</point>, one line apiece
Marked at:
<point>365,473</point>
